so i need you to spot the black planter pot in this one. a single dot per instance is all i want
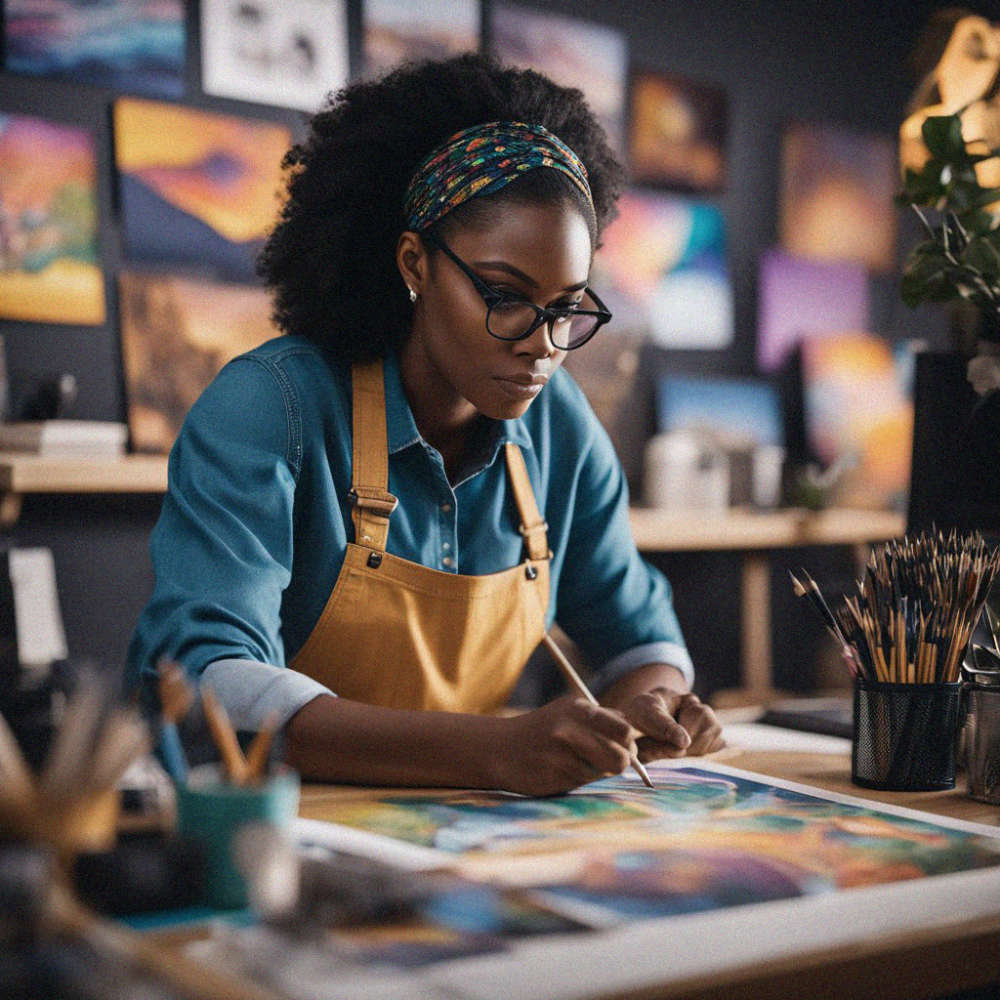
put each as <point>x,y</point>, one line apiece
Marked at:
<point>955,476</point>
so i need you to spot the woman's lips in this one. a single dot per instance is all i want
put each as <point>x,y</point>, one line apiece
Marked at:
<point>526,387</point>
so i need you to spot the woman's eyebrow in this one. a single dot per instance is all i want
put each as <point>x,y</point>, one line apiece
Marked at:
<point>499,265</point>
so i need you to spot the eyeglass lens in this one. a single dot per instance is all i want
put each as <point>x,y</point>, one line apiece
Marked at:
<point>510,320</point>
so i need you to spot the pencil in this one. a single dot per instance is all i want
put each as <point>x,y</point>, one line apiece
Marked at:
<point>576,681</point>
<point>233,762</point>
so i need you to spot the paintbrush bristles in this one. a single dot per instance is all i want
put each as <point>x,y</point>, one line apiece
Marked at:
<point>917,604</point>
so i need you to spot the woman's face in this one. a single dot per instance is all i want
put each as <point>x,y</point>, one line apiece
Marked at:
<point>540,252</point>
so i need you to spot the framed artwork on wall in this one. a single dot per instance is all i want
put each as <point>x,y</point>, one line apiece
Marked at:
<point>836,197</point>
<point>288,53</point>
<point>677,132</point>
<point>131,45</point>
<point>397,30</point>
<point>662,269</point>
<point>176,334</point>
<point>196,188</point>
<point>50,269</point>
<point>573,52</point>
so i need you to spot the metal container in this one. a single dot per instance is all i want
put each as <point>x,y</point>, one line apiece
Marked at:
<point>981,733</point>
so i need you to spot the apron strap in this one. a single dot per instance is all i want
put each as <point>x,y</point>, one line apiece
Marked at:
<point>372,501</point>
<point>533,526</point>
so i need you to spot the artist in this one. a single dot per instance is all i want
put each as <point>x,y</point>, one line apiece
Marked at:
<point>372,520</point>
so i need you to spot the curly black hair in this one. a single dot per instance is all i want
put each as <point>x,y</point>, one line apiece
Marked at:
<point>330,260</point>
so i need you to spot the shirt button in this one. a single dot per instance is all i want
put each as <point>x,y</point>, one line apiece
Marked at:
<point>446,546</point>
<point>447,561</point>
<point>446,508</point>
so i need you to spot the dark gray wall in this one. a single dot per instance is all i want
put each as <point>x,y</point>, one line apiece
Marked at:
<point>799,59</point>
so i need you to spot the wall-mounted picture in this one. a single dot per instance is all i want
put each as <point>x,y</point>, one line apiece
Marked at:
<point>176,335</point>
<point>677,132</point>
<point>132,45</point>
<point>49,265</point>
<point>737,413</point>
<point>858,412</point>
<point>196,188</point>
<point>837,189</point>
<point>662,270</point>
<point>399,30</point>
<point>575,53</point>
<point>799,298</point>
<point>288,53</point>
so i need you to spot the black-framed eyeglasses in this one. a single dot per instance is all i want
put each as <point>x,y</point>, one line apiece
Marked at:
<point>511,317</point>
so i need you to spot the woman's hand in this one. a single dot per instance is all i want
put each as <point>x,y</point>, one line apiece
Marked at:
<point>673,724</point>
<point>562,745</point>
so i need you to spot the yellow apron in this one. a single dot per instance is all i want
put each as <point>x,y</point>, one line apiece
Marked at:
<point>399,634</point>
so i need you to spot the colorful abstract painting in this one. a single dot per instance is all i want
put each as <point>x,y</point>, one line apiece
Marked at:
<point>836,198</point>
<point>662,270</point>
<point>677,132</point>
<point>176,334</point>
<point>573,52</point>
<point>49,265</point>
<point>288,53</point>
<point>399,30</point>
<point>196,188</point>
<point>800,298</point>
<point>858,411</point>
<point>131,45</point>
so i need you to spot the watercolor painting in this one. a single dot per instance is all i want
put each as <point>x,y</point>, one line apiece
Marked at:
<point>836,198</point>
<point>132,45</point>
<point>176,333</point>
<point>398,30</point>
<point>196,188</point>
<point>663,271</point>
<point>736,413</point>
<point>573,52</point>
<point>49,263</point>
<point>287,53</point>
<point>800,298</point>
<point>858,410</point>
<point>677,132</point>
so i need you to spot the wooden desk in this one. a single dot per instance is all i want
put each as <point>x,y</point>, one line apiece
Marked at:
<point>752,534</point>
<point>931,963</point>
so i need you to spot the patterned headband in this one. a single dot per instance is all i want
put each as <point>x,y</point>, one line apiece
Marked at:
<point>482,160</point>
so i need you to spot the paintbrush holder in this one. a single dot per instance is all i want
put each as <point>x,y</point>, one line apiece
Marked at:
<point>214,811</point>
<point>904,736</point>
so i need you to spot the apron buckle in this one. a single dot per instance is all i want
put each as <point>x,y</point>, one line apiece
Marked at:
<point>379,502</point>
<point>531,572</point>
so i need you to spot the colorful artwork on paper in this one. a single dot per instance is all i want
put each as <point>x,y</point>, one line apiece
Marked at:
<point>196,188</point>
<point>287,53</point>
<point>800,298</point>
<point>400,30</point>
<point>131,45</point>
<point>662,270</point>
<point>176,334</point>
<point>49,265</point>
<point>837,190</point>
<point>704,839</point>
<point>575,53</point>
<point>858,411</point>
<point>677,132</point>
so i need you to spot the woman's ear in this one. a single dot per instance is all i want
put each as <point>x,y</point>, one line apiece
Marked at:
<point>411,259</point>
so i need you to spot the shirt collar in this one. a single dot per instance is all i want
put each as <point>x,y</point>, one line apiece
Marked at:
<point>401,428</point>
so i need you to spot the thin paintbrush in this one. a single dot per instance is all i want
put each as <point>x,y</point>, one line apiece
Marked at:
<point>233,761</point>
<point>176,696</point>
<point>576,681</point>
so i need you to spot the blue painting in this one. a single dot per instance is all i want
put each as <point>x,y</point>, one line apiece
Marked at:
<point>132,45</point>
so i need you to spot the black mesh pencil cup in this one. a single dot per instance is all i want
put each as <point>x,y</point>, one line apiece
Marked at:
<point>904,736</point>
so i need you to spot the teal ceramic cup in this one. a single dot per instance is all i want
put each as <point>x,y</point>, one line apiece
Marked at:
<point>213,811</point>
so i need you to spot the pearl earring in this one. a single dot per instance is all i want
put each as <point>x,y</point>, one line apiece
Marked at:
<point>413,294</point>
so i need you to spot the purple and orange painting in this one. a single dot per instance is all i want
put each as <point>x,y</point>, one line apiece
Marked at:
<point>49,270</point>
<point>196,188</point>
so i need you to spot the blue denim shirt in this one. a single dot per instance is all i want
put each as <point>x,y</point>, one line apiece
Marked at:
<point>256,521</point>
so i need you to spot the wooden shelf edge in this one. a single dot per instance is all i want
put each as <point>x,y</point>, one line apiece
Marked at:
<point>20,474</point>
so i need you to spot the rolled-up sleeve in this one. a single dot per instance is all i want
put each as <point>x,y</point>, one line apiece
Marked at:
<point>610,601</point>
<point>222,548</point>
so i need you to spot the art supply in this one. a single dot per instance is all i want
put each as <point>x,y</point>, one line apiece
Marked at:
<point>576,682</point>
<point>904,636</point>
<point>981,727</point>
<point>176,697</point>
<point>239,769</point>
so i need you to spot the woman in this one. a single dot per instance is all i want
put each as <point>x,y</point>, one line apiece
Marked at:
<point>372,520</point>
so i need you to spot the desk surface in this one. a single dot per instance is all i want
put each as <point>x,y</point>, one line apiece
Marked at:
<point>927,963</point>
